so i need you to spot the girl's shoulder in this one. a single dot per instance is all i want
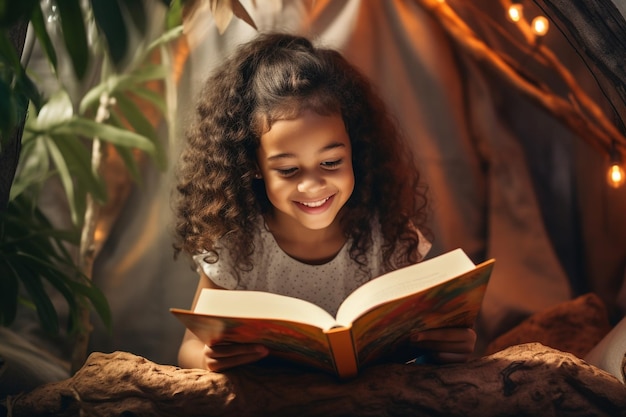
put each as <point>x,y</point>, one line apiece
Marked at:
<point>220,264</point>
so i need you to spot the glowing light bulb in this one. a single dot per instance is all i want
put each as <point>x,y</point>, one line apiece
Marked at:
<point>540,25</point>
<point>616,176</point>
<point>515,12</point>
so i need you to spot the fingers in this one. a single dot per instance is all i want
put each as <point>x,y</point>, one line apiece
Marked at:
<point>449,345</point>
<point>222,357</point>
<point>458,340</point>
<point>447,357</point>
<point>460,334</point>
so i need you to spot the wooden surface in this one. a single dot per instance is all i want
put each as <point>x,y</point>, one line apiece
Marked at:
<point>523,380</point>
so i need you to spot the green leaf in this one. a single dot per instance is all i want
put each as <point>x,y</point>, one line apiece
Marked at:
<point>135,79</point>
<point>29,92</point>
<point>174,16</point>
<point>109,18</point>
<point>28,255</point>
<point>154,98</point>
<point>92,98</point>
<point>73,286</point>
<point>141,125</point>
<point>175,32</point>
<point>130,162</point>
<point>118,84</point>
<point>97,299</point>
<point>33,168</point>
<point>117,136</point>
<point>38,244</point>
<point>57,111</point>
<point>62,283</point>
<point>78,159</point>
<point>39,26</point>
<point>65,176</point>
<point>127,154</point>
<point>29,274</point>
<point>141,75</point>
<point>25,222</point>
<point>71,236</point>
<point>74,34</point>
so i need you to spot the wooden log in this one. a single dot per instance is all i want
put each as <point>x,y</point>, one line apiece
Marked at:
<point>523,380</point>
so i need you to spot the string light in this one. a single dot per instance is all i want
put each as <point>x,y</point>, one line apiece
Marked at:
<point>540,25</point>
<point>515,11</point>
<point>615,175</point>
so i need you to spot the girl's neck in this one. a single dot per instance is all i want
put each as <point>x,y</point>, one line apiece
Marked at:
<point>314,247</point>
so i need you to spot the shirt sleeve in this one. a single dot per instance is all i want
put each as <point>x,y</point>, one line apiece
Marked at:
<point>219,272</point>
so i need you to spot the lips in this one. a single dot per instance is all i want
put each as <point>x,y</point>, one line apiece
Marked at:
<point>315,206</point>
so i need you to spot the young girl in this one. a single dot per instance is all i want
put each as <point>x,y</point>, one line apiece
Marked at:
<point>296,181</point>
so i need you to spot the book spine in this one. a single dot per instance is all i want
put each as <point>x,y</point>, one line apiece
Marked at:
<point>342,349</point>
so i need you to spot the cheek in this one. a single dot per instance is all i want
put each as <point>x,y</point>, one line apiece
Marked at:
<point>276,190</point>
<point>349,180</point>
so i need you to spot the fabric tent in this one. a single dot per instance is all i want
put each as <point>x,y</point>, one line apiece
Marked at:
<point>508,180</point>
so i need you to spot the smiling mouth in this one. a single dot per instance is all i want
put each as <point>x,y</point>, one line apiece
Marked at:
<point>314,204</point>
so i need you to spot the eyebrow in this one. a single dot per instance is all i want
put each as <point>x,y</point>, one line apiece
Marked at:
<point>326,148</point>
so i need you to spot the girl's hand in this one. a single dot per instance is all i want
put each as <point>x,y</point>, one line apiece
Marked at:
<point>193,353</point>
<point>447,345</point>
<point>223,356</point>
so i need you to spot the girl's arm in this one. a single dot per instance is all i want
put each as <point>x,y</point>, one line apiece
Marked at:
<point>193,353</point>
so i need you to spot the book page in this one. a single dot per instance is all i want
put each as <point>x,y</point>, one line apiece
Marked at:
<point>452,303</point>
<point>302,343</point>
<point>403,282</point>
<point>262,305</point>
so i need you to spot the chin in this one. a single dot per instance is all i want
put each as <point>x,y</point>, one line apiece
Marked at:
<point>317,225</point>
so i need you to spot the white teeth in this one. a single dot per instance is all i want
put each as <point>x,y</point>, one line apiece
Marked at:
<point>315,203</point>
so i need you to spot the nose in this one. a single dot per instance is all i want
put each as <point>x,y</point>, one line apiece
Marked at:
<point>311,183</point>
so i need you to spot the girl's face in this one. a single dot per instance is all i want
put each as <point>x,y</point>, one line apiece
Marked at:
<point>306,164</point>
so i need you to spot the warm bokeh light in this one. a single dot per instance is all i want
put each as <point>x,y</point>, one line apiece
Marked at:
<point>616,175</point>
<point>540,25</point>
<point>515,12</point>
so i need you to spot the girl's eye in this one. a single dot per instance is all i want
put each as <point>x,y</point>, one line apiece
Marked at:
<point>332,164</point>
<point>286,172</point>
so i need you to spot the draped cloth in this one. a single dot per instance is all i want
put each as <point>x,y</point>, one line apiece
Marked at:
<point>504,177</point>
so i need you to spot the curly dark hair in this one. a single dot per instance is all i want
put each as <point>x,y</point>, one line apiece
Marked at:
<point>274,77</point>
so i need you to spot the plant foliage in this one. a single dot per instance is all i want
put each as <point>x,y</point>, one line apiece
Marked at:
<point>35,256</point>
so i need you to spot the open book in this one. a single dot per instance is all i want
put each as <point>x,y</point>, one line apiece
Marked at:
<point>373,321</point>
